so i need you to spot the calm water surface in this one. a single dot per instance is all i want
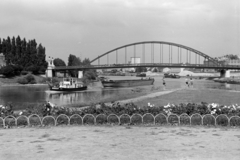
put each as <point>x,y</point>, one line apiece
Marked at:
<point>21,96</point>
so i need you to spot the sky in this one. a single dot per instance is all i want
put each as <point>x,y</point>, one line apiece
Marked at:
<point>88,28</point>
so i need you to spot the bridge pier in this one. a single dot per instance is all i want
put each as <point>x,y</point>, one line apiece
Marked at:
<point>224,73</point>
<point>80,74</point>
<point>49,72</point>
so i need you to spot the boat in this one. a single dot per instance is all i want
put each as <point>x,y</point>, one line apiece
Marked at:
<point>170,75</point>
<point>141,75</point>
<point>127,83</point>
<point>68,84</point>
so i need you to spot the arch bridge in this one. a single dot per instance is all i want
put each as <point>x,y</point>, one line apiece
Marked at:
<point>152,54</point>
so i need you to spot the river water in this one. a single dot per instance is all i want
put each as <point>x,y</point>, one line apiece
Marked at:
<point>21,96</point>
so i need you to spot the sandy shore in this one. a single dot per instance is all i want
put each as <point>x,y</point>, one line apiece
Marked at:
<point>150,95</point>
<point>120,142</point>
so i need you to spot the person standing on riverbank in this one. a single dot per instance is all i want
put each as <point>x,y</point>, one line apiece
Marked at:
<point>164,83</point>
<point>191,82</point>
<point>187,82</point>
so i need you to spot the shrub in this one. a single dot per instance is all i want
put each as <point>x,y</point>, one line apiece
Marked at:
<point>28,79</point>
<point>22,81</point>
<point>8,71</point>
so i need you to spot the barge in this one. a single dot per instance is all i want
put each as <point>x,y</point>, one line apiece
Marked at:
<point>127,83</point>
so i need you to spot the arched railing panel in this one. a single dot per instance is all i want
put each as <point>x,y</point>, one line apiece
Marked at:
<point>10,121</point>
<point>148,118</point>
<point>113,119</point>
<point>125,119</point>
<point>89,119</point>
<point>136,119</point>
<point>234,121</point>
<point>196,119</point>
<point>101,119</point>
<point>209,119</point>
<point>173,119</point>
<point>34,120</point>
<point>222,120</point>
<point>76,119</point>
<point>185,119</point>
<point>48,121</point>
<point>62,119</point>
<point>161,119</point>
<point>22,121</point>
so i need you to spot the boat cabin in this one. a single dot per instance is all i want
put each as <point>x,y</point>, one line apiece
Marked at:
<point>70,83</point>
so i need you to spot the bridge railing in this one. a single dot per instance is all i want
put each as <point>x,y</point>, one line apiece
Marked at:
<point>180,65</point>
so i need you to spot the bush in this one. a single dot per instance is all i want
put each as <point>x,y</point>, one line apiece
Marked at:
<point>22,81</point>
<point>28,79</point>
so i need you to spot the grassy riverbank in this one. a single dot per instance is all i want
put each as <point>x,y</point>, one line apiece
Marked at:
<point>14,80</point>
<point>224,97</point>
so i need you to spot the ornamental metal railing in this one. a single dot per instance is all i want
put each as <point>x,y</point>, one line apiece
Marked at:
<point>124,119</point>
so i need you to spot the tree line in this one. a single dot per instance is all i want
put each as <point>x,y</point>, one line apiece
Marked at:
<point>22,55</point>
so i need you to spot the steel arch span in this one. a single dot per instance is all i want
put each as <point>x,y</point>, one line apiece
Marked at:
<point>205,56</point>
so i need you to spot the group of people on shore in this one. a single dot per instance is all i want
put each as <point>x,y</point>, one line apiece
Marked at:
<point>188,81</point>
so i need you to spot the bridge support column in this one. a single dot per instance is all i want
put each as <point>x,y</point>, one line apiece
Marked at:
<point>80,74</point>
<point>224,73</point>
<point>49,73</point>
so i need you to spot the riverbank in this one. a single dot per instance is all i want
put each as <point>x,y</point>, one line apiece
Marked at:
<point>230,80</point>
<point>13,81</point>
<point>193,95</point>
<point>107,142</point>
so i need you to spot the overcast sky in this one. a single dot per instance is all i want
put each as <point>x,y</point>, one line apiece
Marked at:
<point>88,28</point>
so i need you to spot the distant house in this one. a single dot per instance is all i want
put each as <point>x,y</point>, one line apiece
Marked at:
<point>2,60</point>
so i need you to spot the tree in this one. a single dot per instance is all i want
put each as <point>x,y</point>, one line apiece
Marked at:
<point>59,62</point>
<point>7,53</point>
<point>232,57</point>
<point>73,61</point>
<point>18,51</point>
<point>25,55</point>
<point>13,51</point>
<point>86,62</point>
<point>41,56</point>
<point>141,69</point>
